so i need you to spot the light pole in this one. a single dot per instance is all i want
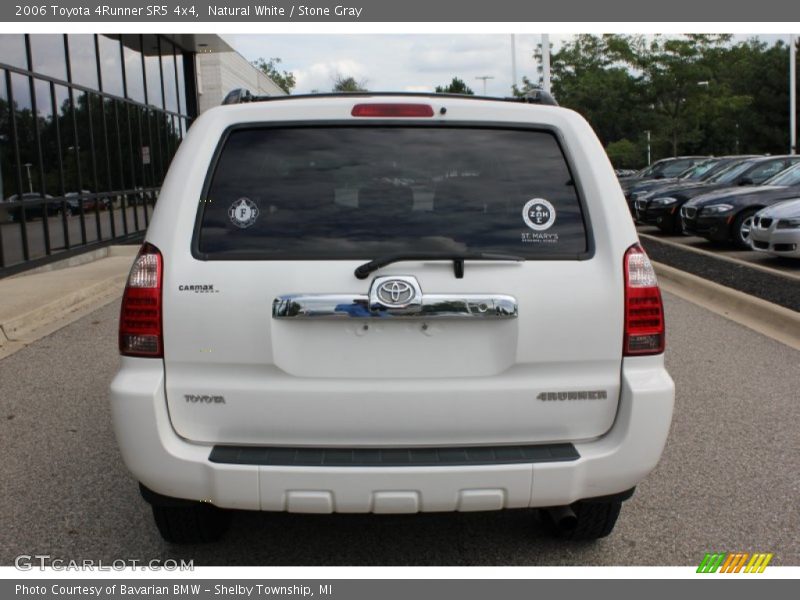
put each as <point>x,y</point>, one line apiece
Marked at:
<point>546,62</point>
<point>792,95</point>
<point>30,181</point>
<point>648,147</point>
<point>513,62</point>
<point>484,78</point>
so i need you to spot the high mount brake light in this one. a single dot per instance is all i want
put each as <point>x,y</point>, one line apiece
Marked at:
<point>392,110</point>
<point>140,332</point>
<point>644,310</point>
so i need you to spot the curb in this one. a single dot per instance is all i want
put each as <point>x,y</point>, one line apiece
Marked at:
<point>777,322</point>
<point>23,327</point>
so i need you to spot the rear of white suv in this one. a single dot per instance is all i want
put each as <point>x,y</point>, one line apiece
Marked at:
<point>390,304</point>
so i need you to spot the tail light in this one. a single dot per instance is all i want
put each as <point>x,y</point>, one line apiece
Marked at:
<point>140,318</point>
<point>644,311</point>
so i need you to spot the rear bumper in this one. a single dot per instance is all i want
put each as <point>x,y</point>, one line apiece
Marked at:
<point>171,466</point>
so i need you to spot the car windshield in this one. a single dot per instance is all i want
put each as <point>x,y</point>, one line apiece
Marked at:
<point>697,171</point>
<point>719,168</point>
<point>342,192</point>
<point>732,173</point>
<point>790,176</point>
<point>677,167</point>
<point>653,169</point>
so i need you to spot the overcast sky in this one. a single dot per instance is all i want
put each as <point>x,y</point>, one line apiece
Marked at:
<point>395,62</point>
<point>390,62</point>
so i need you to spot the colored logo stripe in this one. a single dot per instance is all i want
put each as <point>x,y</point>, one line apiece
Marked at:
<point>711,562</point>
<point>758,563</point>
<point>734,562</point>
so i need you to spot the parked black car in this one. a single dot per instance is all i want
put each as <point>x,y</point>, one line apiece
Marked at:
<point>699,173</point>
<point>89,200</point>
<point>661,169</point>
<point>34,204</point>
<point>727,215</point>
<point>663,207</point>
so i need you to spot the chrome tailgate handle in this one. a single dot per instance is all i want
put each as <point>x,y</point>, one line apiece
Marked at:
<point>433,306</point>
<point>395,297</point>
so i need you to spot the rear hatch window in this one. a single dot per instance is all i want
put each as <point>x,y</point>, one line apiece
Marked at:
<point>357,192</point>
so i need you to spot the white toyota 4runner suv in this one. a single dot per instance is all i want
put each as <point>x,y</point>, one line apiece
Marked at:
<point>390,303</point>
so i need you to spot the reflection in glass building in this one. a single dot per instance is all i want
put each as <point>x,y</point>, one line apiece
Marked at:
<point>88,126</point>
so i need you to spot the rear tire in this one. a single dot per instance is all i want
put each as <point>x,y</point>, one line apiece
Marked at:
<point>595,520</point>
<point>196,524</point>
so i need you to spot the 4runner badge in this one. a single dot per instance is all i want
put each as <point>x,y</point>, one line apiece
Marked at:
<point>582,395</point>
<point>243,213</point>
<point>539,214</point>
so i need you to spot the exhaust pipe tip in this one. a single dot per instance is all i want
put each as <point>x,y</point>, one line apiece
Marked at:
<point>563,517</point>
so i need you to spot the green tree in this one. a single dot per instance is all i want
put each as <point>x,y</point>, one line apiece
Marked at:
<point>527,86</point>
<point>758,71</point>
<point>697,94</point>
<point>624,154</point>
<point>283,79</point>
<point>348,84</point>
<point>588,75</point>
<point>676,77</point>
<point>457,86</point>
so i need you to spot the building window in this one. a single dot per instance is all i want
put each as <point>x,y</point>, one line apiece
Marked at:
<point>152,69</point>
<point>12,51</point>
<point>83,60</point>
<point>134,78</point>
<point>181,81</point>
<point>47,55</point>
<point>66,130</point>
<point>111,65</point>
<point>26,134</point>
<point>168,72</point>
<point>85,115</point>
<point>48,140</point>
<point>8,185</point>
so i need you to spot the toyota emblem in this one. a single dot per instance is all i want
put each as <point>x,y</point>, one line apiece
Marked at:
<point>395,292</point>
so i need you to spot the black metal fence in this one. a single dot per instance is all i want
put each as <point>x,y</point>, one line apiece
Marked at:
<point>88,126</point>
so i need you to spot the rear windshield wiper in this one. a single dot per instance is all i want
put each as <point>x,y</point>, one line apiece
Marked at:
<point>363,271</point>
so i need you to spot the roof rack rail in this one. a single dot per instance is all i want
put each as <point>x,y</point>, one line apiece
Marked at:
<point>238,96</point>
<point>534,96</point>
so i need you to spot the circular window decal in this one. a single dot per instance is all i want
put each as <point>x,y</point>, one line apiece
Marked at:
<point>243,213</point>
<point>539,214</point>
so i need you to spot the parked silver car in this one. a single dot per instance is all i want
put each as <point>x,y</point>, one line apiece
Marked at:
<point>776,229</point>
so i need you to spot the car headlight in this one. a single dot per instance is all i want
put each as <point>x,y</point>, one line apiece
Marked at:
<point>717,209</point>
<point>664,201</point>
<point>788,224</point>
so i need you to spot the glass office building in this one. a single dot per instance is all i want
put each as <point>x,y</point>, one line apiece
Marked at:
<point>88,126</point>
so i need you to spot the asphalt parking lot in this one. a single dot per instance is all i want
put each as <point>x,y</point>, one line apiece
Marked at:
<point>728,481</point>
